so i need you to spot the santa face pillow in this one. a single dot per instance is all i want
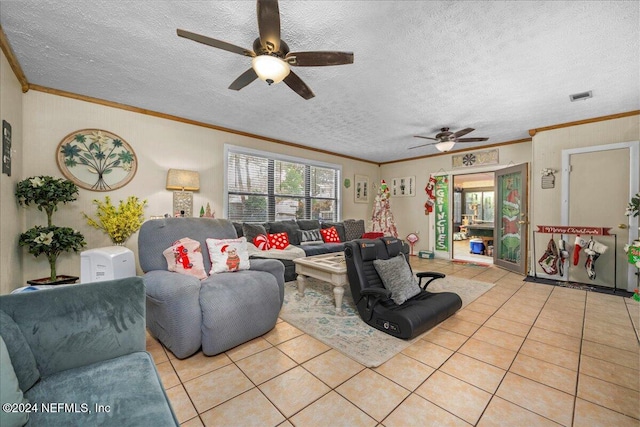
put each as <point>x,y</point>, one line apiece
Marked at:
<point>185,257</point>
<point>228,255</point>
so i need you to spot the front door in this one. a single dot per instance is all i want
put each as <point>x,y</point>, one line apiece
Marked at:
<point>510,245</point>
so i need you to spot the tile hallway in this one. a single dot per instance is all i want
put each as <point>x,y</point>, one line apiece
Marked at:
<point>521,354</point>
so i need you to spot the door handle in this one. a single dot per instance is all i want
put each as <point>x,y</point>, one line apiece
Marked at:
<point>523,222</point>
<point>623,226</point>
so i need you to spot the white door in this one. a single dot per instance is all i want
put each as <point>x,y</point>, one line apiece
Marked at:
<point>600,183</point>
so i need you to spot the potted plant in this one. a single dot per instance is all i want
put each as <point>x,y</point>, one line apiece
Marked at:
<point>118,222</point>
<point>46,193</point>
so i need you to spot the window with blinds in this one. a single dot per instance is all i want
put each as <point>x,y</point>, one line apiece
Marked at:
<point>263,187</point>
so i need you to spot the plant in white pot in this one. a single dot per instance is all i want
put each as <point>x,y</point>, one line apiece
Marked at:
<point>46,193</point>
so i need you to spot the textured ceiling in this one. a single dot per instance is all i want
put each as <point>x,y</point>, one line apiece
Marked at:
<point>499,67</point>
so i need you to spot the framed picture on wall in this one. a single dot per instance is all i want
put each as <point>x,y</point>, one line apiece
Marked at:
<point>403,187</point>
<point>361,190</point>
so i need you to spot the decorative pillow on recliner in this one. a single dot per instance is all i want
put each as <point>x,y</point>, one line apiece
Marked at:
<point>397,277</point>
<point>228,254</point>
<point>278,240</point>
<point>330,235</point>
<point>185,257</point>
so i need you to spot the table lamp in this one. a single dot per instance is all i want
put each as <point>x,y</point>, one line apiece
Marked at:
<point>185,182</point>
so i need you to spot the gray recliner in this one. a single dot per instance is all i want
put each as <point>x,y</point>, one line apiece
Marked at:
<point>217,313</point>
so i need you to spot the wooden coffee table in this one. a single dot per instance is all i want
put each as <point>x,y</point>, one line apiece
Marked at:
<point>327,267</point>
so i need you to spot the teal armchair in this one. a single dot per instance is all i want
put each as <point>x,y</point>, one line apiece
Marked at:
<point>83,346</point>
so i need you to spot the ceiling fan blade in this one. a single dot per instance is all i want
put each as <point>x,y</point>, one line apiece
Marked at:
<point>215,43</point>
<point>463,132</point>
<point>471,139</point>
<point>269,24</point>
<point>298,86</point>
<point>418,146</point>
<point>318,59</point>
<point>426,137</point>
<point>244,79</point>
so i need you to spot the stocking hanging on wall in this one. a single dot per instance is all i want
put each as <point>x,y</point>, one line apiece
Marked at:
<point>382,218</point>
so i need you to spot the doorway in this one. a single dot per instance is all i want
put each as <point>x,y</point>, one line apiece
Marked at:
<point>474,217</point>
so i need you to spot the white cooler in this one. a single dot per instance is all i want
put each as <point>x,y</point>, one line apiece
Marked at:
<point>111,262</point>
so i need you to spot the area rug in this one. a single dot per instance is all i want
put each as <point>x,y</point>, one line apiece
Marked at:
<point>315,314</point>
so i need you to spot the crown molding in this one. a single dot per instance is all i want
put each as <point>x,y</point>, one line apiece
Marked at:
<point>533,132</point>
<point>13,61</point>
<point>184,120</point>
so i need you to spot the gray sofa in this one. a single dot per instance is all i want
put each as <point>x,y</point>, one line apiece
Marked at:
<point>217,313</point>
<point>81,346</point>
<point>348,230</point>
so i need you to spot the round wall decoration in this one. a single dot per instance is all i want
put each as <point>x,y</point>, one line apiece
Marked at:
<point>96,160</point>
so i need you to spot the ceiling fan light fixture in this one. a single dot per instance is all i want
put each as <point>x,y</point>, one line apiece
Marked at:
<point>269,68</point>
<point>445,146</point>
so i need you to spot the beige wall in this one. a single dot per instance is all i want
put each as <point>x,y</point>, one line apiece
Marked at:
<point>547,153</point>
<point>159,144</point>
<point>409,211</point>
<point>11,216</point>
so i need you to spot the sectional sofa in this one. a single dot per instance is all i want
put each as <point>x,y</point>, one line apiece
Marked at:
<point>347,230</point>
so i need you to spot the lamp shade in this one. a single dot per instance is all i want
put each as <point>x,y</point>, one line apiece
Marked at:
<point>179,179</point>
<point>269,68</point>
<point>445,146</point>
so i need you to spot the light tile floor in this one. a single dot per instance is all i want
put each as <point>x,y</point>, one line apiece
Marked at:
<point>523,354</point>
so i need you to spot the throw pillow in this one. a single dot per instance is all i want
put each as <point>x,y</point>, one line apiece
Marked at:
<point>278,240</point>
<point>185,257</point>
<point>289,227</point>
<point>250,231</point>
<point>10,392</point>
<point>309,237</point>
<point>397,277</point>
<point>330,235</point>
<point>261,242</point>
<point>353,229</point>
<point>228,254</point>
<point>339,228</point>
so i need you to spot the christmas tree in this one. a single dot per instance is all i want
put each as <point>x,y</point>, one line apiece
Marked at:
<point>382,218</point>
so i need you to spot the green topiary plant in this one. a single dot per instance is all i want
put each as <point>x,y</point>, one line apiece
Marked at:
<point>46,192</point>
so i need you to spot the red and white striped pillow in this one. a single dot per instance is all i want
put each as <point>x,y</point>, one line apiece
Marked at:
<point>261,242</point>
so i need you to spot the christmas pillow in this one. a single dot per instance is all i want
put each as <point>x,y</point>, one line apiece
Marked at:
<point>278,240</point>
<point>228,254</point>
<point>185,257</point>
<point>330,235</point>
<point>261,242</point>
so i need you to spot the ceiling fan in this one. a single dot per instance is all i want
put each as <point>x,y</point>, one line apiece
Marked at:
<point>271,56</point>
<point>447,139</point>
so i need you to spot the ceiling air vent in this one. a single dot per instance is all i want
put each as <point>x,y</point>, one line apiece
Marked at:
<point>580,96</point>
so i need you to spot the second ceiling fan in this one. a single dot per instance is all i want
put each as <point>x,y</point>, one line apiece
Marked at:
<point>445,140</point>
<point>271,56</point>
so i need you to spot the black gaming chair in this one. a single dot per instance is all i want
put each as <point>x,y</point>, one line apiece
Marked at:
<point>375,306</point>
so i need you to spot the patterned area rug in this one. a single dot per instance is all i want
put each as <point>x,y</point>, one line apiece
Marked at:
<point>315,315</point>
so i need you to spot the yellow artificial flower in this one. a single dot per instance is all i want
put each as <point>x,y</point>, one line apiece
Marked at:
<point>121,222</point>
